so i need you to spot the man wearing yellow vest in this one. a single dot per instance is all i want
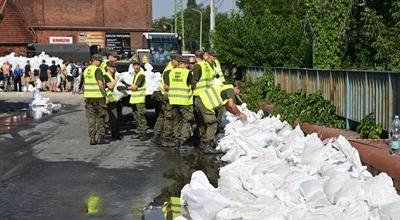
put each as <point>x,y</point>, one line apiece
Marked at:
<point>203,76</point>
<point>215,64</point>
<point>179,84</point>
<point>113,104</point>
<point>110,57</point>
<point>137,100</point>
<point>209,102</point>
<point>95,100</point>
<point>163,125</point>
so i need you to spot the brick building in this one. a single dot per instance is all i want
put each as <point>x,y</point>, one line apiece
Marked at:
<point>106,23</point>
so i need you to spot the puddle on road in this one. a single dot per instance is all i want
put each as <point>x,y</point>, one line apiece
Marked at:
<point>185,162</point>
<point>192,159</point>
<point>23,115</point>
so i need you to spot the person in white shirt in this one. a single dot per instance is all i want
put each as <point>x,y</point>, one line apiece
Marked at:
<point>70,78</point>
<point>77,79</point>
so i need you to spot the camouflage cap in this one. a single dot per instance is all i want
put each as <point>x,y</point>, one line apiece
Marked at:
<point>183,59</point>
<point>199,53</point>
<point>174,55</point>
<point>97,57</point>
<point>212,52</point>
<point>135,60</point>
<point>239,84</point>
<point>177,57</point>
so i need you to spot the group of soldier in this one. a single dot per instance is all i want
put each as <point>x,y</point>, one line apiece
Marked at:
<point>192,98</point>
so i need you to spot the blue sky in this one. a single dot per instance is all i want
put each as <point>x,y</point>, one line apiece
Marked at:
<point>166,7</point>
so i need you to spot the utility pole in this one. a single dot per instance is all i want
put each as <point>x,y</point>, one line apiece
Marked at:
<point>212,19</point>
<point>179,21</point>
<point>201,26</point>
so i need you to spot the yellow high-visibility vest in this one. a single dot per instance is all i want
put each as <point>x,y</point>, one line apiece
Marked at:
<point>206,79</point>
<point>138,96</point>
<point>91,87</point>
<point>168,67</point>
<point>179,92</point>
<point>218,71</point>
<point>103,67</point>
<point>110,93</point>
<point>211,97</point>
<point>172,208</point>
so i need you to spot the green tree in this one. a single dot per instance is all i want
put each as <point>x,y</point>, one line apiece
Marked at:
<point>330,22</point>
<point>259,36</point>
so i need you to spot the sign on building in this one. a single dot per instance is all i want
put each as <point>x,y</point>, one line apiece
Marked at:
<point>92,38</point>
<point>119,42</point>
<point>60,40</point>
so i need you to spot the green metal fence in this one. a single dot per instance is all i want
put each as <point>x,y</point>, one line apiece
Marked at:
<point>355,93</point>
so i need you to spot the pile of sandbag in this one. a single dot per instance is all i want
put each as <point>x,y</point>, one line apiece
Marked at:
<point>40,105</point>
<point>34,61</point>
<point>276,172</point>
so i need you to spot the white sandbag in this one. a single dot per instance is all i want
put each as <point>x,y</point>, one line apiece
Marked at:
<point>275,172</point>
<point>314,152</point>
<point>390,211</point>
<point>348,193</point>
<point>357,210</point>
<point>229,214</point>
<point>202,199</point>
<point>326,213</point>
<point>351,153</point>
<point>34,61</point>
<point>379,191</point>
<point>333,185</point>
<point>310,187</point>
<point>40,105</point>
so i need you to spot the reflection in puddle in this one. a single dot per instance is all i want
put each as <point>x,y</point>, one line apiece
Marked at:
<point>34,112</point>
<point>93,204</point>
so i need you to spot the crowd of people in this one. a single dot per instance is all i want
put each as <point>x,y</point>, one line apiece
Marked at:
<point>192,96</point>
<point>65,77</point>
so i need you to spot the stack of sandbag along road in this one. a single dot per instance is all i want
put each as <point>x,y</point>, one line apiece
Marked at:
<point>34,61</point>
<point>276,172</point>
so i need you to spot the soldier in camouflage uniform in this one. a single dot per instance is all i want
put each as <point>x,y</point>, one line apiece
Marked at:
<point>179,84</point>
<point>209,103</point>
<point>95,100</point>
<point>163,128</point>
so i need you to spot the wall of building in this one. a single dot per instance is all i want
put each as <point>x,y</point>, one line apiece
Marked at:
<point>55,18</point>
<point>125,14</point>
<point>18,50</point>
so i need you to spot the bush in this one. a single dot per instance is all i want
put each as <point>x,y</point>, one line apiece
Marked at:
<point>368,128</point>
<point>291,106</point>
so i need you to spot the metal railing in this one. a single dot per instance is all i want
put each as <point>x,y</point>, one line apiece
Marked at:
<point>355,93</point>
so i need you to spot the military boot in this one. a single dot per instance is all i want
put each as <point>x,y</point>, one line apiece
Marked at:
<point>102,140</point>
<point>92,141</point>
<point>208,148</point>
<point>156,139</point>
<point>144,137</point>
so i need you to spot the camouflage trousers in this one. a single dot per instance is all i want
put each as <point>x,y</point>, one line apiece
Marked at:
<point>163,127</point>
<point>139,114</point>
<point>114,116</point>
<point>208,120</point>
<point>96,111</point>
<point>182,120</point>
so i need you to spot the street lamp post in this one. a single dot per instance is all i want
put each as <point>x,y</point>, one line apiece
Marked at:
<point>171,27</point>
<point>201,26</point>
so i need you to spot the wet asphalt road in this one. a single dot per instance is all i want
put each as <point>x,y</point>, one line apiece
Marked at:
<point>48,170</point>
